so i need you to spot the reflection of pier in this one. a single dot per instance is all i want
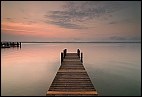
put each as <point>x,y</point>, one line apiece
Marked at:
<point>10,44</point>
<point>72,78</point>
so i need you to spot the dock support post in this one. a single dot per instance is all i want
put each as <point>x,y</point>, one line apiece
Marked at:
<point>12,44</point>
<point>82,57</point>
<point>78,52</point>
<point>65,52</point>
<point>61,57</point>
<point>7,44</point>
<point>20,44</point>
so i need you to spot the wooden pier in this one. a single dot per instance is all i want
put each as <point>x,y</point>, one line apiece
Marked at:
<point>71,78</point>
<point>10,44</point>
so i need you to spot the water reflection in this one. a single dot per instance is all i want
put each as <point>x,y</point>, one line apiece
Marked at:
<point>113,68</point>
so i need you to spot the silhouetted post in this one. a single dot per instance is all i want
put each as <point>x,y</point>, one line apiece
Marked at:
<point>20,44</point>
<point>61,57</point>
<point>65,52</point>
<point>13,44</point>
<point>78,52</point>
<point>82,57</point>
<point>7,44</point>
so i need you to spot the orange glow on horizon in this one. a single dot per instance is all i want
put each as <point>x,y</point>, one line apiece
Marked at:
<point>39,30</point>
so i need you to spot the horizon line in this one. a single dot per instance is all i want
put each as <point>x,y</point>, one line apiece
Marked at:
<point>85,42</point>
<point>76,42</point>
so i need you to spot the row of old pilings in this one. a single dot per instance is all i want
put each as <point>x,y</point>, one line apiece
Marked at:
<point>10,44</point>
<point>64,53</point>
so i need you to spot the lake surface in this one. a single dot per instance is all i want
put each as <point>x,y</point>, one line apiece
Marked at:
<point>114,69</point>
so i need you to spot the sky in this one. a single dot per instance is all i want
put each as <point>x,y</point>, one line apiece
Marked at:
<point>66,21</point>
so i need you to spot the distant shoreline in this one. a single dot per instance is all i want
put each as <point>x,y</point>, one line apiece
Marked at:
<point>69,42</point>
<point>80,42</point>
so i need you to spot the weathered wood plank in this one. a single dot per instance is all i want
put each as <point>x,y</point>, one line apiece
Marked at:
<point>68,92</point>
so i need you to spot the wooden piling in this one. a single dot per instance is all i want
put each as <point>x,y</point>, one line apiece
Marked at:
<point>81,57</point>
<point>62,57</point>
<point>20,44</point>
<point>78,52</point>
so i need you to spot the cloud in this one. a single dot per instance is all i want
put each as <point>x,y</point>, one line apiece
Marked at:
<point>30,22</point>
<point>127,20</point>
<point>17,30</point>
<point>113,22</point>
<point>10,19</point>
<point>117,38</point>
<point>77,13</point>
<point>120,38</point>
<point>25,21</point>
<point>66,24</point>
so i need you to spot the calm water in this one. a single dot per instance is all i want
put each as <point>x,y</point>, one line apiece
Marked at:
<point>115,69</point>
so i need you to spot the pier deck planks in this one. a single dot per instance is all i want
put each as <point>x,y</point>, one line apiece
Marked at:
<point>71,79</point>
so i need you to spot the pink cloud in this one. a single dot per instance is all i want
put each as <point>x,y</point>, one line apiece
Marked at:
<point>41,30</point>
